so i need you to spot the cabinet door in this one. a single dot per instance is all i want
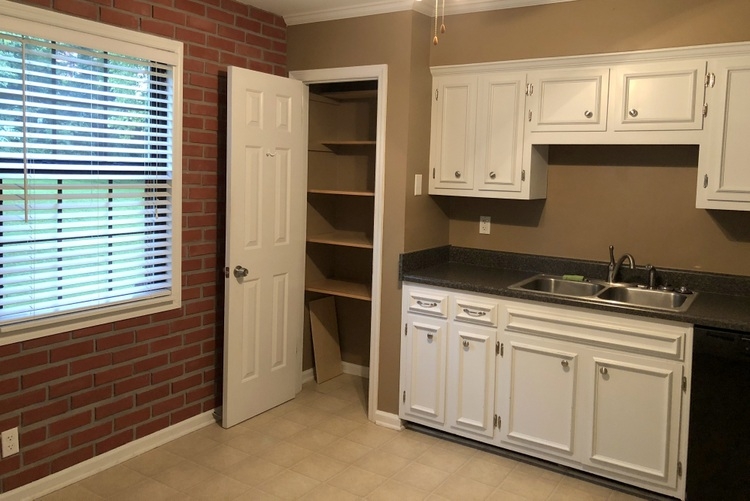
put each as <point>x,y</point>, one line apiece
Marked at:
<point>471,378</point>
<point>723,173</point>
<point>423,360</point>
<point>536,397</point>
<point>658,96</point>
<point>499,145</point>
<point>453,132</point>
<point>635,412</point>
<point>568,100</point>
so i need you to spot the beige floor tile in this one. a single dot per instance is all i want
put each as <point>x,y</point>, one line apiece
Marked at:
<point>285,454</point>
<point>443,459</point>
<point>622,496</point>
<point>371,435</point>
<point>487,472</point>
<point>253,471</point>
<point>458,488</point>
<point>312,438</point>
<point>404,447</point>
<point>154,461</point>
<point>254,494</point>
<point>184,475</point>
<point>216,488</point>
<point>421,476</point>
<point>594,491</point>
<point>307,416</point>
<point>147,489</point>
<point>392,490</point>
<point>350,394</point>
<point>571,492</point>
<point>528,485</point>
<point>382,463</point>
<point>357,481</point>
<point>355,412</point>
<point>345,450</point>
<point>75,492</point>
<point>338,426</point>
<point>329,404</point>
<point>282,428</point>
<point>253,442</point>
<point>288,485</point>
<point>436,497</point>
<point>500,495</point>
<point>319,467</point>
<point>112,480</point>
<point>220,457</point>
<point>191,445</point>
<point>536,471</point>
<point>222,435</point>
<point>325,492</point>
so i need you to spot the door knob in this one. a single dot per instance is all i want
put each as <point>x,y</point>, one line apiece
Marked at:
<point>240,271</point>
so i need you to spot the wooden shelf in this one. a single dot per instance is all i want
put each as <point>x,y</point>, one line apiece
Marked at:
<point>342,192</point>
<point>341,288</point>
<point>351,94</point>
<point>343,238</point>
<point>348,143</point>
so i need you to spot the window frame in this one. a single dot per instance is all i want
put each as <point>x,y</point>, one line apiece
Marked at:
<point>36,22</point>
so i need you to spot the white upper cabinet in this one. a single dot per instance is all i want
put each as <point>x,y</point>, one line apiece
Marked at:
<point>568,100</point>
<point>665,95</point>
<point>454,108</point>
<point>723,170</point>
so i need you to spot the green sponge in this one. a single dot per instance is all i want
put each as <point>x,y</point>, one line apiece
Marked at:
<point>574,278</point>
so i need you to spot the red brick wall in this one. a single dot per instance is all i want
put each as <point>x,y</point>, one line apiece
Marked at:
<point>79,394</point>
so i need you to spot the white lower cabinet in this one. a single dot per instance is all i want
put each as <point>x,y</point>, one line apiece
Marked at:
<point>602,392</point>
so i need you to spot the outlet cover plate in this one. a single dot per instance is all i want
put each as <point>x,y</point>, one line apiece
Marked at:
<point>484,225</point>
<point>10,442</point>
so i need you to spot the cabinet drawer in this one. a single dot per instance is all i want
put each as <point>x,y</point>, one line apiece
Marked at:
<point>428,303</point>
<point>474,310</point>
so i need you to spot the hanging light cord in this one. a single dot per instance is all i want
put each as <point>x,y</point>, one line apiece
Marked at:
<point>442,23</point>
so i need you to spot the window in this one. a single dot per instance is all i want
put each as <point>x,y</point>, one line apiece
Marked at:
<point>89,179</point>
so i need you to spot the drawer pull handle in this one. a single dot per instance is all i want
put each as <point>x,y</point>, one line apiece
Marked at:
<point>603,371</point>
<point>425,304</point>
<point>430,336</point>
<point>473,313</point>
<point>466,343</point>
<point>564,363</point>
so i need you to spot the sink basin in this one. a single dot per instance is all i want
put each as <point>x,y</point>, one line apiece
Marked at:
<point>648,298</point>
<point>559,286</point>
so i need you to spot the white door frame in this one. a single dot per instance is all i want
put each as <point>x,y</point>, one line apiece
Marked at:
<point>377,72</point>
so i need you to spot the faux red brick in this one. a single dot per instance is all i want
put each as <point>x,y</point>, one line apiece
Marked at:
<point>77,8</point>
<point>23,362</point>
<point>44,451</point>
<point>25,477</point>
<point>168,315</point>
<point>236,7</point>
<point>114,441</point>
<point>200,306</point>
<point>199,363</point>
<point>130,353</point>
<point>209,375</point>
<point>10,349</point>
<point>258,41</point>
<point>31,437</point>
<point>91,434</point>
<point>90,363</point>
<point>186,383</point>
<point>209,346</point>
<point>169,405</point>
<point>184,353</point>
<point>247,24</point>
<point>71,351</point>
<point>9,385</point>
<point>132,384</point>
<point>151,363</point>
<point>131,323</point>
<point>152,394</point>
<point>201,23</point>
<point>151,332</point>
<point>9,464</point>
<point>157,28</point>
<point>25,399</point>
<point>119,18</point>
<point>92,331</point>
<point>262,15</point>
<point>132,418</point>
<point>167,374</point>
<point>190,6</point>
<point>220,15</point>
<point>115,341</point>
<point>189,36</point>
<point>110,375</point>
<point>70,423</point>
<point>198,394</point>
<point>43,376</point>
<point>71,386</point>
<point>151,427</point>
<point>71,458</point>
<point>52,409</point>
<point>134,6</point>
<point>185,413</point>
<point>45,341</point>
<point>273,32</point>
<point>166,344</point>
<point>111,408</point>
<point>91,397</point>
<point>198,336</point>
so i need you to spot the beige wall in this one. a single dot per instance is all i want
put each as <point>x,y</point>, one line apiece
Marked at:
<point>639,199</point>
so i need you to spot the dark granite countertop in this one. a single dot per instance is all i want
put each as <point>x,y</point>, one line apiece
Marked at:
<point>723,301</point>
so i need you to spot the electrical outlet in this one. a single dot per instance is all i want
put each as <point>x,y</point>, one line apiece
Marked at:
<point>484,225</point>
<point>10,442</point>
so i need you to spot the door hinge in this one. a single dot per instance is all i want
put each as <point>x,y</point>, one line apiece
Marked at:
<point>679,468</point>
<point>406,329</point>
<point>497,348</point>
<point>436,94</point>
<point>710,80</point>
<point>529,89</point>
<point>523,175</point>
<point>433,173</point>
<point>226,272</point>
<point>684,383</point>
<point>529,115</point>
<point>499,421</point>
<point>705,110</point>
<point>502,349</point>
<point>705,180</point>
<point>494,421</point>
<point>403,398</point>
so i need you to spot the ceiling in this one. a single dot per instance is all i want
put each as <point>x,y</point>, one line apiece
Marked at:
<point>312,11</point>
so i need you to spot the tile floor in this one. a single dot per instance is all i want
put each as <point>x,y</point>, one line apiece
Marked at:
<point>320,446</point>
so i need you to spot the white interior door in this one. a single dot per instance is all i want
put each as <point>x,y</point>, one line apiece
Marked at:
<point>265,245</point>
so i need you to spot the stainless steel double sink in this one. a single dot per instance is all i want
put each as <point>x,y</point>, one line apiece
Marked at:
<point>603,292</point>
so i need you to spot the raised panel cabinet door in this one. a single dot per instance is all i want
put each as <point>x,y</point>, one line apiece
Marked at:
<point>423,377</point>
<point>537,395</point>
<point>471,378</point>
<point>454,106</point>
<point>658,96</point>
<point>499,146</point>
<point>635,416</point>
<point>568,100</point>
<point>724,172</point>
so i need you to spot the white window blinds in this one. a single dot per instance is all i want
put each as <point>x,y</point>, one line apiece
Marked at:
<point>85,178</point>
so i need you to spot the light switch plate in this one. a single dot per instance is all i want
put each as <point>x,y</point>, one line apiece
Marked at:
<point>484,225</point>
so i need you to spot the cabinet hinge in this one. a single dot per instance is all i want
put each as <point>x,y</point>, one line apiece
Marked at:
<point>502,349</point>
<point>705,110</point>
<point>523,175</point>
<point>436,94</point>
<point>403,398</point>
<point>499,421</point>
<point>529,115</point>
<point>679,468</point>
<point>529,89</point>
<point>226,272</point>
<point>684,383</point>
<point>433,173</point>
<point>497,348</point>
<point>406,329</point>
<point>710,80</point>
<point>494,421</point>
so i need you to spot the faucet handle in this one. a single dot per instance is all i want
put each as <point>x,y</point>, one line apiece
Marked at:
<point>612,254</point>
<point>651,276</point>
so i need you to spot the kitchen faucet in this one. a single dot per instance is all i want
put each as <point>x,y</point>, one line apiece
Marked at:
<point>614,267</point>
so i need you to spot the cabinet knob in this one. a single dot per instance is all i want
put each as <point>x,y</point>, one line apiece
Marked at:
<point>458,174</point>
<point>564,363</point>
<point>603,371</point>
<point>430,336</point>
<point>588,114</point>
<point>633,113</point>
<point>466,343</point>
<point>493,175</point>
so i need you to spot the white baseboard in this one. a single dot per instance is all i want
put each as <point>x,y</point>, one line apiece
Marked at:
<point>308,375</point>
<point>388,420</point>
<point>346,368</point>
<point>111,458</point>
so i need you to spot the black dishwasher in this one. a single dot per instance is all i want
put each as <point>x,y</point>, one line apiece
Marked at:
<point>719,440</point>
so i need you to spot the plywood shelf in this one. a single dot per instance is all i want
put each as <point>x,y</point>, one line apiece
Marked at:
<point>340,288</point>
<point>333,144</point>
<point>343,238</point>
<point>342,192</point>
